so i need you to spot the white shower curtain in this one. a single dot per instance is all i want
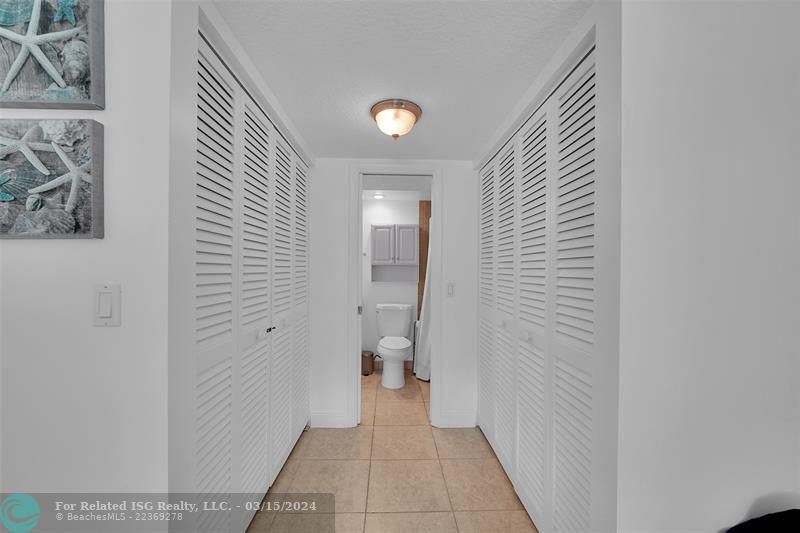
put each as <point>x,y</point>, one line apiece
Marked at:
<point>422,360</point>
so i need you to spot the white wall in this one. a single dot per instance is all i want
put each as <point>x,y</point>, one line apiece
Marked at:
<point>377,212</point>
<point>334,377</point>
<point>84,408</point>
<point>709,419</point>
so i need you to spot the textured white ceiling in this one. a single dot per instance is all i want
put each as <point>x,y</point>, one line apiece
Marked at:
<point>467,63</point>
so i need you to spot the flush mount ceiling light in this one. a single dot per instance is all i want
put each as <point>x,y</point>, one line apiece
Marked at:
<point>378,195</point>
<point>396,117</point>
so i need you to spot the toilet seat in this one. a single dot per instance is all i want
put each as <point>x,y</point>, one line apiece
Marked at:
<point>394,343</point>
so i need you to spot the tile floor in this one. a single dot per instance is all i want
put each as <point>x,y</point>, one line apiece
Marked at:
<point>397,474</point>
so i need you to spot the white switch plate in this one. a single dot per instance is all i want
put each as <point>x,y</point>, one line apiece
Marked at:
<point>108,305</point>
<point>451,290</point>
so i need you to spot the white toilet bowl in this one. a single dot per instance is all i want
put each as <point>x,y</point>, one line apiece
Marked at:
<point>394,347</point>
<point>394,351</point>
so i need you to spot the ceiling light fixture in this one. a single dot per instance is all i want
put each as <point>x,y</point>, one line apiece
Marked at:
<point>396,117</point>
<point>378,196</point>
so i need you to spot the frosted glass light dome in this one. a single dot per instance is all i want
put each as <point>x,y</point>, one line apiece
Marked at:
<point>396,117</point>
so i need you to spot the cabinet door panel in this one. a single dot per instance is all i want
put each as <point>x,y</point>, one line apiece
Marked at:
<point>382,239</point>
<point>407,244</point>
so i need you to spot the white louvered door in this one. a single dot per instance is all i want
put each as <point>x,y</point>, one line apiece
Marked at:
<point>505,307</point>
<point>282,371</point>
<point>250,388</point>
<point>572,346</point>
<point>301,406</point>
<point>255,298</point>
<point>538,233</point>
<point>486,327</point>
<point>532,407</point>
<point>216,331</point>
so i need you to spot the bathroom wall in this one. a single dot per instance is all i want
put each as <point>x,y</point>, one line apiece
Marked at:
<point>374,292</point>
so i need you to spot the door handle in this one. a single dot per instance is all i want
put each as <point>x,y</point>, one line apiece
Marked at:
<point>271,329</point>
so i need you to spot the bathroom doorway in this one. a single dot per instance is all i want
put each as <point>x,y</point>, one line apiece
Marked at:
<point>395,258</point>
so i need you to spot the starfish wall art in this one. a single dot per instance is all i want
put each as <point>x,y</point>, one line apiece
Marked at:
<point>51,179</point>
<point>51,54</point>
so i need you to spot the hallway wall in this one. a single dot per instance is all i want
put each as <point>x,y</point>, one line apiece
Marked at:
<point>710,255</point>
<point>454,393</point>
<point>83,408</point>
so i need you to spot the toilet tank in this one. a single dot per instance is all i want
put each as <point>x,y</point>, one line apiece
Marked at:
<point>394,320</point>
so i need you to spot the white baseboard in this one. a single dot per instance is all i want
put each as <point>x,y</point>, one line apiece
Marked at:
<point>455,419</point>
<point>331,419</point>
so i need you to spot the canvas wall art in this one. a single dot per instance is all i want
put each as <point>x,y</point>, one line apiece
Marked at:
<point>51,54</point>
<point>51,179</point>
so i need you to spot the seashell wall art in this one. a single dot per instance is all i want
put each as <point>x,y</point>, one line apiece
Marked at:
<point>51,179</point>
<point>51,54</point>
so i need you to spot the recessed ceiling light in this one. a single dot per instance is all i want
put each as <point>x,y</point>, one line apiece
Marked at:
<point>378,196</point>
<point>396,117</point>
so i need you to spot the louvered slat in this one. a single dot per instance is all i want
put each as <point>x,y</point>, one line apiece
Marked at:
<point>504,392</point>
<point>214,218</point>
<point>256,226</point>
<point>532,416</point>
<point>533,225</point>
<point>283,221</point>
<point>300,237</point>
<point>486,356</point>
<point>487,235</point>
<point>572,451</point>
<point>575,210</point>
<point>505,262</point>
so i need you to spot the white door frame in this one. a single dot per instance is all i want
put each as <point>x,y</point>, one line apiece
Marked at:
<point>355,274</point>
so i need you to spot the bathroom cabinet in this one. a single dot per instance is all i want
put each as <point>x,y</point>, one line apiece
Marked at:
<point>395,244</point>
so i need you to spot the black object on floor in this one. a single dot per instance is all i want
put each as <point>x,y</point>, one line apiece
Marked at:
<point>782,522</point>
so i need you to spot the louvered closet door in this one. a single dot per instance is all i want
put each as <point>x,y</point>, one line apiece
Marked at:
<point>486,327</point>
<point>215,278</point>
<point>300,409</point>
<point>282,368</point>
<point>532,365</point>
<point>505,308</point>
<point>573,343</point>
<point>255,241</point>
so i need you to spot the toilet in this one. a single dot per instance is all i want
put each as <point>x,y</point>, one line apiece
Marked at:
<point>394,347</point>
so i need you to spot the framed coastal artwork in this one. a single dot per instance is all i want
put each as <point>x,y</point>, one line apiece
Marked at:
<point>51,179</point>
<point>52,54</point>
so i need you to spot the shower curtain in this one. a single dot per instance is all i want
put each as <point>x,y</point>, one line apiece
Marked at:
<point>422,360</point>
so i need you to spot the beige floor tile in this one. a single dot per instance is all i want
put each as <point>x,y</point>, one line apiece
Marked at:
<point>409,393</point>
<point>261,522</point>
<point>369,387</point>
<point>406,486</point>
<point>400,414</point>
<point>425,388</point>
<point>286,476</point>
<point>367,413</point>
<point>403,442</point>
<point>411,523</point>
<point>351,443</point>
<point>346,480</point>
<point>478,485</point>
<point>466,443</point>
<point>316,523</point>
<point>494,522</point>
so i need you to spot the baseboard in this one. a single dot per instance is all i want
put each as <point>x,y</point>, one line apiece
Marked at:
<point>455,419</point>
<point>333,419</point>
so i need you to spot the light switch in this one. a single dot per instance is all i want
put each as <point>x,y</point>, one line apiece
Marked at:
<point>108,305</point>
<point>451,290</point>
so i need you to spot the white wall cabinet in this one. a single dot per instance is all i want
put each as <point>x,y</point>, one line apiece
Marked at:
<point>395,244</point>
<point>544,403</point>
<point>248,397</point>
